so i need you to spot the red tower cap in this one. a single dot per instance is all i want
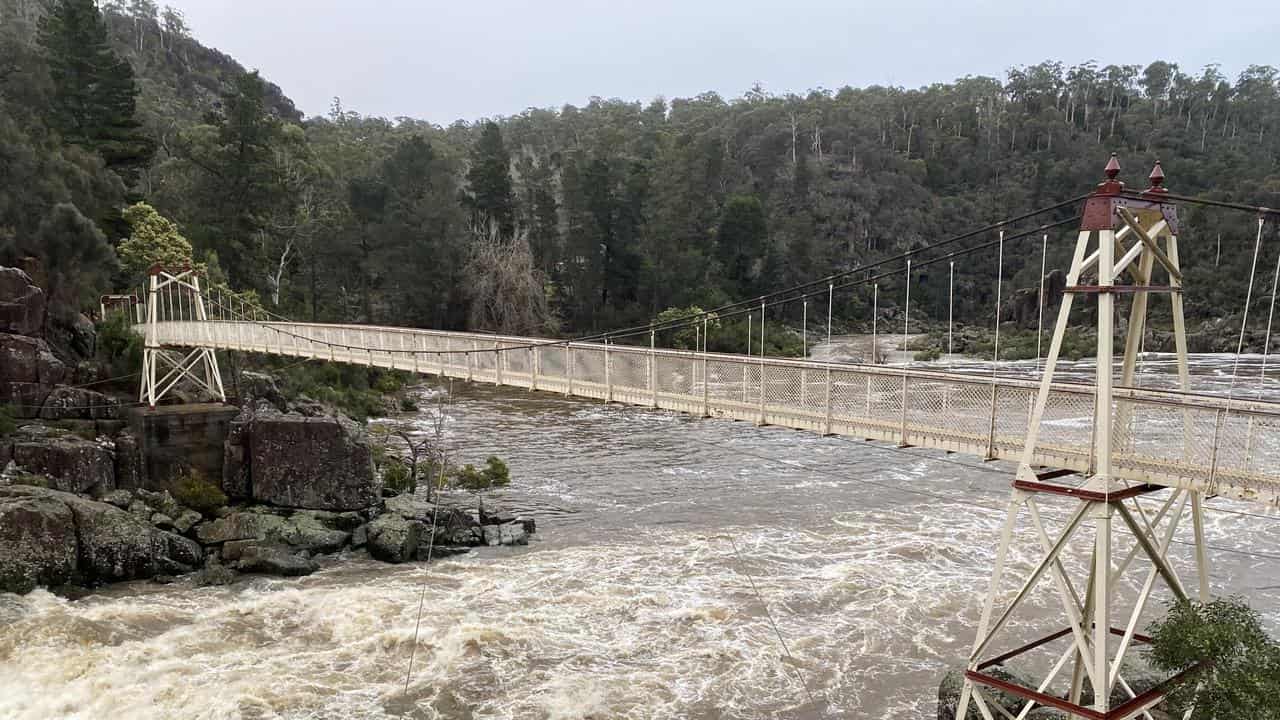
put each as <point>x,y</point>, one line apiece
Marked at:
<point>1157,180</point>
<point>1111,186</point>
<point>1113,167</point>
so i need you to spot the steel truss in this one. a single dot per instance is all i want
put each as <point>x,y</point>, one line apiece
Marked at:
<point>173,294</point>
<point>1094,646</point>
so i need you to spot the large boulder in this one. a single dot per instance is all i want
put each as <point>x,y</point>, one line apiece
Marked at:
<point>71,463</point>
<point>311,463</point>
<point>115,544</point>
<point>275,560</point>
<point>310,532</point>
<point>37,541</point>
<point>394,539</point>
<point>49,537</point>
<point>22,304</point>
<point>68,403</point>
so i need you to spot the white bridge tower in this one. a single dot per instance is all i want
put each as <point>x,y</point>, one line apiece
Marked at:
<point>1127,243</point>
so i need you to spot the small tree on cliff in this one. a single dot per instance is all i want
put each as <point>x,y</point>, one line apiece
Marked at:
<point>153,239</point>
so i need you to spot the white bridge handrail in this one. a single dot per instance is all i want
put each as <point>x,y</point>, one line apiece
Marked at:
<point>1167,439</point>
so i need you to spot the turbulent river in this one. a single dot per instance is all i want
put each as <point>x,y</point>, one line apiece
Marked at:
<point>634,600</point>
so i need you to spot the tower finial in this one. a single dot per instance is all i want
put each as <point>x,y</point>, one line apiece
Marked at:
<point>1113,167</point>
<point>1157,179</point>
<point>1110,185</point>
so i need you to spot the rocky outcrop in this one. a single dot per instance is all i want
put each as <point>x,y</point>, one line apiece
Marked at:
<point>49,537</point>
<point>1024,307</point>
<point>313,463</point>
<point>28,372</point>
<point>67,403</point>
<point>22,304</point>
<point>71,463</point>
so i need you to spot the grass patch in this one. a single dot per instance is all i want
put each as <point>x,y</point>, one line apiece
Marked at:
<point>191,490</point>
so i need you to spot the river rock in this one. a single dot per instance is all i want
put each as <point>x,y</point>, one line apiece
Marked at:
<point>37,541</point>
<point>186,520</point>
<point>22,304</point>
<point>238,526</point>
<point>492,535</point>
<point>360,536</point>
<point>115,545</point>
<point>215,575</point>
<point>183,550</point>
<point>71,463</point>
<point>452,525</point>
<point>120,498</point>
<point>394,539</point>
<point>275,560</point>
<point>512,533</point>
<point>67,403</point>
<point>160,501</point>
<point>312,463</point>
<point>307,532</point>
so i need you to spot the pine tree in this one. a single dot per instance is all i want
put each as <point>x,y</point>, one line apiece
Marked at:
<point>94,98</point>
<point>490,181</point>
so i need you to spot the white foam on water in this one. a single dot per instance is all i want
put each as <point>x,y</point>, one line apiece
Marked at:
<point>659,624</point>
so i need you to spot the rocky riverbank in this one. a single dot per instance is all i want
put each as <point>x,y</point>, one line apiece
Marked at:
<point>81,506</point>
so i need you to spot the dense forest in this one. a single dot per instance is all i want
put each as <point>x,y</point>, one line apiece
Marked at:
<point>583,218</point>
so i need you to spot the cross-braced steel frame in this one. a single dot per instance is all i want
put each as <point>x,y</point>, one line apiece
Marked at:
<point>174,294</point>
<point>1126,243</point>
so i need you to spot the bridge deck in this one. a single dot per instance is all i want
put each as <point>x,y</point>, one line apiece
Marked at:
<point>1174,439</point>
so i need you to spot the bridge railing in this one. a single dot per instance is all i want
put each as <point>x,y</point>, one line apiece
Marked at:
<point>1203,442</point>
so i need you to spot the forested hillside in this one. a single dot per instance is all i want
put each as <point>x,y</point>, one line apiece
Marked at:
<point>585,218</point>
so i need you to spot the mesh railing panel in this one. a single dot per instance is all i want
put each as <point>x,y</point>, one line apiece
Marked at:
<point>1207,446</point>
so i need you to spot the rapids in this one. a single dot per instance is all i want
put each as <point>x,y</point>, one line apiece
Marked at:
<point>631,601</point>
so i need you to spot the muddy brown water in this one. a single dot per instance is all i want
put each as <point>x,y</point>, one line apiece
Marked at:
<point>630,603</point>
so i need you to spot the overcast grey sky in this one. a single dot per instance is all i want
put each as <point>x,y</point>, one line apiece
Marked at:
<point>442,61</point>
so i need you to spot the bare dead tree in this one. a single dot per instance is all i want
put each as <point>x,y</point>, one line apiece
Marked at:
<point>508,291</point>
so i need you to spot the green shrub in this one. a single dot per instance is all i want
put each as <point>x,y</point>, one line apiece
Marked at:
<point>388,382</point>
<point>119,347</point>
<point>358,391</point>
<point>494,474</point>
<point>397,477</point>
<point>192,490</point>
<point>408,404</point>
<point>7,424</point>
<point>1242,679</point>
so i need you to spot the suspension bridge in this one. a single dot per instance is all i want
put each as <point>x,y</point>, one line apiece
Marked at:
<point>1131,464</point>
